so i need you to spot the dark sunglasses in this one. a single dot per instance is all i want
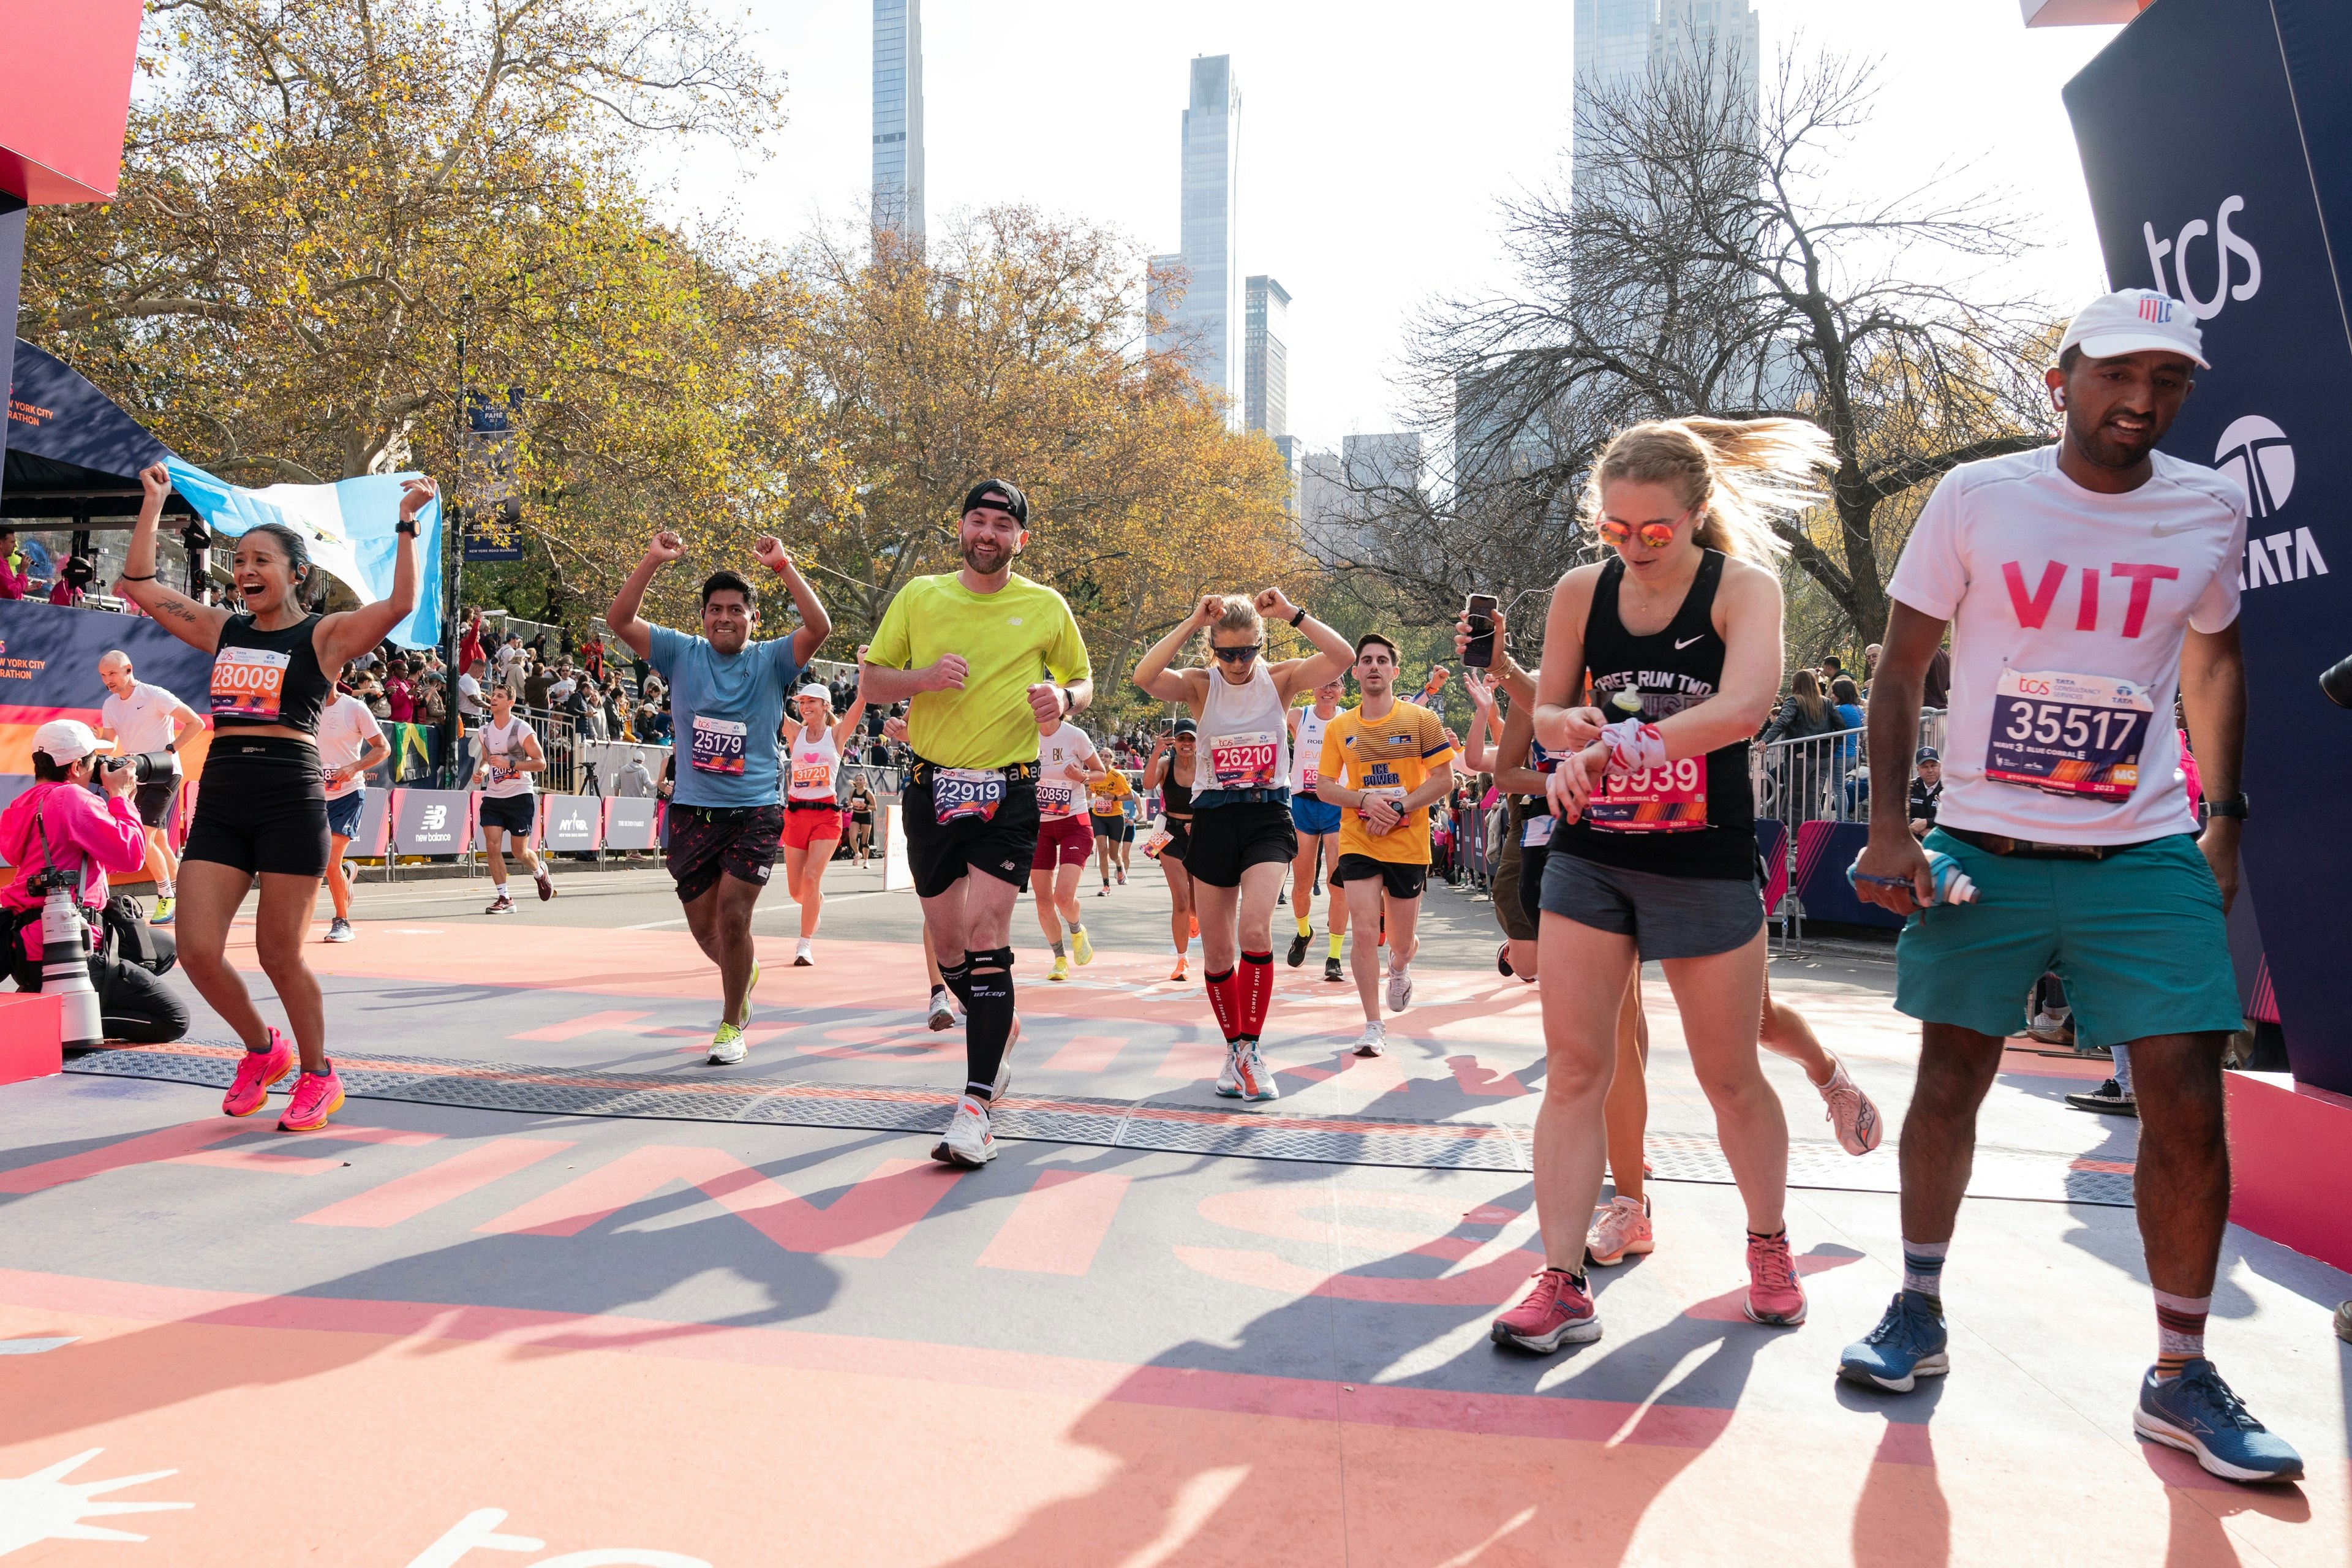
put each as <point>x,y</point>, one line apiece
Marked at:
<point>1238,654</point>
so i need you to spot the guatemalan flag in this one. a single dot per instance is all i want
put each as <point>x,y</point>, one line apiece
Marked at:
<point>349,526</point>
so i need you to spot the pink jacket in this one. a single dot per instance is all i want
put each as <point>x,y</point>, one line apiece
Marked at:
<point>103,828</point>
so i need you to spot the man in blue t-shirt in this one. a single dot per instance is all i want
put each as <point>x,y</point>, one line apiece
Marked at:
<point>726,703</point>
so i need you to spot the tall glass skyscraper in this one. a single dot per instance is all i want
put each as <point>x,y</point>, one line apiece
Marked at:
<point>1265,357</point>
<point>1209,319</point>
<point>1619,40</point>
<point>898,115</point>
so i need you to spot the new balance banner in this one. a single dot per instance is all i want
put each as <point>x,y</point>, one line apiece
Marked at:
<point>629,824</point>
<point>432,821</point>
<point>2217,141</point>
<point>571,822</point>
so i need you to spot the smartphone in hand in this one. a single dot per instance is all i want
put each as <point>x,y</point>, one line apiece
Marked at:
<point>1479,610</point>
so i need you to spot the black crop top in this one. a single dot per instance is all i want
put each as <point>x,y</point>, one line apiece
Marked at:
<point>269,678</point>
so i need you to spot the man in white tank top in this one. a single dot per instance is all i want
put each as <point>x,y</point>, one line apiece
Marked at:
<point>1317,823</point>
<point>1242,836</point>
<point>507,753</point>
<point>1067,763</point>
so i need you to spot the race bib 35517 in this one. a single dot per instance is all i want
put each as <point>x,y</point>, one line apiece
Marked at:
<point>2068,734</point>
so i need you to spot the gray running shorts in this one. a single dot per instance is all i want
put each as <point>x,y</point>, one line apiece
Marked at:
<point>1667,917</point>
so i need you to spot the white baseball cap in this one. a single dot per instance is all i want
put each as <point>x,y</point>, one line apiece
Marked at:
<point>813,689</point>
<point>2132,321</point>
<point>67,740</point>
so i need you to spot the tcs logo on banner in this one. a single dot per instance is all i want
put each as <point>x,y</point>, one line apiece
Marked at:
<point>2232,281</point>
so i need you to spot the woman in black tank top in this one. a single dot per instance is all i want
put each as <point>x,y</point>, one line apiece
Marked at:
<point>1659,666</point>
<point>261,809</point>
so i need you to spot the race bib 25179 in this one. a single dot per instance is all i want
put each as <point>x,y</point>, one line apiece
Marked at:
<point>719,745</point>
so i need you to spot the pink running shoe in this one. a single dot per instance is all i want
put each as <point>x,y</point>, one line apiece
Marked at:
<point>1620,1227</point>
<point>1558,1311</point>
<point>1851,1112</point>
<point>1773,1294</point>
<point>256,1071</point>
<point>317,1097</point>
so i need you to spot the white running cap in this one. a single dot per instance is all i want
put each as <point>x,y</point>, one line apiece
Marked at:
<point>67,740</point>
<point>2132,321</point>
<point>813,689</point>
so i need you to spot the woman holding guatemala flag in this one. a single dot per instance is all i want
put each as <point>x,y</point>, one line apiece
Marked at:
<point>261,804</point>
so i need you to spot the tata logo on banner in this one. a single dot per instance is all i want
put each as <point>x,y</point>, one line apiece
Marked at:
<point>2233,266</point>
<point>2257,451</point>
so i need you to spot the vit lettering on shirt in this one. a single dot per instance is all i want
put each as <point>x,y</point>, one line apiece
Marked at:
<point>2033,609</point>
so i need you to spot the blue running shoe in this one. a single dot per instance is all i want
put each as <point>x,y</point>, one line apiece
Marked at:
<point>2196,1411</point>
<point>1907,1345</point>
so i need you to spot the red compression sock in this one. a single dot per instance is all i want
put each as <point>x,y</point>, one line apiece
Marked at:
<point>1225,1000</point>
<point>1257,991</point>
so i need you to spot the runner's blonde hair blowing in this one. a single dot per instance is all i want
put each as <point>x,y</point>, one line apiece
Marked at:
<point>1744,472</point>
<point>1241,616</point>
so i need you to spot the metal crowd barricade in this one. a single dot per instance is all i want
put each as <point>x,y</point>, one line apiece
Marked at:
<point>1821,778</point>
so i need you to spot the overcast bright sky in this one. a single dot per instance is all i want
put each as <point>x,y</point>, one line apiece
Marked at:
<point>1376,138</point>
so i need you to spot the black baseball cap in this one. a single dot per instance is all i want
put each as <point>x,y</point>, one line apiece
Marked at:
<point>1002,494</point>
<point>1185,727</point>
<point>1928,754</point>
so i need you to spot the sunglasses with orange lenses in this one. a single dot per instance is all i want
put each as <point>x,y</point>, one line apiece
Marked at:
<point>1653,535</point>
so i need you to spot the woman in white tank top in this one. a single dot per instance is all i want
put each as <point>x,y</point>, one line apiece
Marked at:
<point>1242,839</point>
<point>812,752</point>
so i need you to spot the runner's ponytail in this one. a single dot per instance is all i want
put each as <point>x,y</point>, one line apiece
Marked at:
<point>1744,472</point>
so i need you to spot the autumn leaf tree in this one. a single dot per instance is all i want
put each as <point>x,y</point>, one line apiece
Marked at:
<point>1009,347</point>
<point>325,207</point>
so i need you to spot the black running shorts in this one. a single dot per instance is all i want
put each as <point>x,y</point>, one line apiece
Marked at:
<point>1004,845</point>
<point>707,840</point>
<point>155,799</point>
<point>1402,881</point>
<point>1229,839</point>
<point>261,806</point>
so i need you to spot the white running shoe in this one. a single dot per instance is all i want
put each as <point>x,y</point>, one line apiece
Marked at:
<point>943,1013</point>
<point>728,1046</point>
<point>1400,990</point>
<point>968,1142</point>
<point>1374,1038</point>
<point>339,930</point>
<point>1003,1084</point>
<point>1252,1076</point>
<point>804,955</point>
<point>1229,1083</point>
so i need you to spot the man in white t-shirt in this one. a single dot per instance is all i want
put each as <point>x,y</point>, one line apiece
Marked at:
<point>2083,583</point>
<point>1066,763</point>
<point>506,754</point>
<point>469,694</point>
<point>138,717</point>
<point>351,742</point>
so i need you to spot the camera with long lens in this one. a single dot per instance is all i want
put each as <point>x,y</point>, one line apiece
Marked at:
<point>65,955</point>
<point>144,765</point>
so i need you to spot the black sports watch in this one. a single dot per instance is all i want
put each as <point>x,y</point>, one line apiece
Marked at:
<point>406,525</point>
<point>2235,805</point>
<point>1296,619</point>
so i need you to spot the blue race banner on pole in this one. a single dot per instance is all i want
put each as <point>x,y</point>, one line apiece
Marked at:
<point>2216,139</point>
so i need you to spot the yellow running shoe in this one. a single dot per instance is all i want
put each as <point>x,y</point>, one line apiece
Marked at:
<point>1082,947</point>
<point>1061,970</point>
<point>727,1047</point>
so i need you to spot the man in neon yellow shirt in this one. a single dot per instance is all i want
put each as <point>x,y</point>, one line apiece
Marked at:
<point>990,660</point>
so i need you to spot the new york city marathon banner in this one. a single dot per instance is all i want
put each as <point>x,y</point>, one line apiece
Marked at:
<point>48,669</point>
<point>2212,133</point>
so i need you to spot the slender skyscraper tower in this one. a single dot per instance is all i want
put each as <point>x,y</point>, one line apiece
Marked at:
<point>899,116</point>
<point>1211,315</point>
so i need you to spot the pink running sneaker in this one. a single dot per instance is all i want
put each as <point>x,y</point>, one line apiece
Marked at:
<point>1620,1227</point>
<point>1773,1294</point>
<point>317,1097</point>
<point>256,1071</point>
<point>1556,1311</point>
<point>1851,1112</point>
